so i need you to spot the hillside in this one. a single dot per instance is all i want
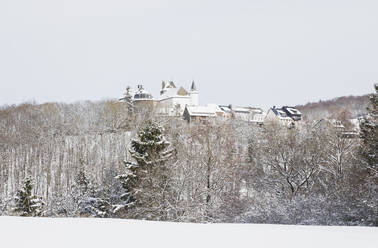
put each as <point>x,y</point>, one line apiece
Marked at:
<point>352,106</point>
<point>223,171</point>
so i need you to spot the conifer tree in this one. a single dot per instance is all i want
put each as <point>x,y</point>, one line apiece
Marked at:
<point>88,197</point>
<point>26,203</point>
<point>147,180</point>
<point>369,134</point>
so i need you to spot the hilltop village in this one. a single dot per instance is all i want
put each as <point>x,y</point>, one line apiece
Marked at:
<point>176,101</point>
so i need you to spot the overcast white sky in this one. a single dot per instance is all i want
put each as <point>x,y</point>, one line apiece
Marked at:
<point>244,52</point>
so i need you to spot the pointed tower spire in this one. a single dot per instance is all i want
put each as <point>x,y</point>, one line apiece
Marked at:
<point>193,88</point>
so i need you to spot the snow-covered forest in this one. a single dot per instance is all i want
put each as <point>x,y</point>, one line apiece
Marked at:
<point>340,107</point>
<point>96,159</point>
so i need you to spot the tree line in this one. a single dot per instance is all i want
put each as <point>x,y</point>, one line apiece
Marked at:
<point>99,160</point>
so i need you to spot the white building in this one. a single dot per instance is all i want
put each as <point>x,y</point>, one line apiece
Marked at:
<point>179,102</point>
<point>288,116</point>
<point>248,114</point>
<point>172,101</point>
<point>202,113</point>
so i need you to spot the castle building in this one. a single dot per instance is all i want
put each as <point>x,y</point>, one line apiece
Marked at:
<point>179,102</point>
<point>139,99</point>
<point>171,102</point>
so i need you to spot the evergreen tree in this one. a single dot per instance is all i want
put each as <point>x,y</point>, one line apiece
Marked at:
<point>369,134</point>
<point>88,199</point>
<point>26,203</point>
<point>147,181</point>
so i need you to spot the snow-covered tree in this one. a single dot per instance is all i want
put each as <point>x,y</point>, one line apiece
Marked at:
<point>292,156</point>
<point>369,134</point>
<point>147,180</point>
<point>89,199</point>
<point>26,203</point>
<point>4,203</point>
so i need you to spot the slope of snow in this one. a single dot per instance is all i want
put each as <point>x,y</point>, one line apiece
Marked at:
<point>48,232</point>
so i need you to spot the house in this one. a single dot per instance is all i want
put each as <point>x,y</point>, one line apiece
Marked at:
<point>248,114</point>
<point>338,126</point>
<point>293,113</point>
<point>200,114</point>
<point>288,116</point>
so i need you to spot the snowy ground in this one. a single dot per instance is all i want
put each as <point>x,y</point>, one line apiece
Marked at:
<point>47,232</point>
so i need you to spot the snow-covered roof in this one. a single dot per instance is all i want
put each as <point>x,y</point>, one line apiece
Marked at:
<point>209,110</point>
<point>293,111</point>
<point>170,90</point>
<point>142,94</point>
<point>281,113</point>
<point>241,109</point>
<point>289,113</point>
<point>225,109</point>
<point>168,85</point>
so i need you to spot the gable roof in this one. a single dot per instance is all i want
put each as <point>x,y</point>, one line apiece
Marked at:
<point>182,92</point>
<point>279,112</point>
<point>291,110</point>
<point>205,111</point>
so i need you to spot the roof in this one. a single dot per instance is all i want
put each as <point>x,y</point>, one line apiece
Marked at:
<point>182,92</point>
<point>170,84</point>
<point>241,109</point>
<point>210,110</point>
<point>193,88</point>
<point>292,110</point>
<point>279,112</point>
<point>142,94</point>
<point>287,113</point>
<point>225,109</point>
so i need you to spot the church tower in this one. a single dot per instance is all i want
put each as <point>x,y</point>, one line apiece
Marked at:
<point>193,93</point>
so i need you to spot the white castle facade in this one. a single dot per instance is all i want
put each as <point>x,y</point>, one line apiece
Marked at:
<point>171,102</point>
<point>179,102</point>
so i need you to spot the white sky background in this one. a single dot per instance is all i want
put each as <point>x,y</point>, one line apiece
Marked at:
<point>245,52</point>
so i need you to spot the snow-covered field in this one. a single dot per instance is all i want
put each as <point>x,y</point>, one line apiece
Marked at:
<point>47,232</point>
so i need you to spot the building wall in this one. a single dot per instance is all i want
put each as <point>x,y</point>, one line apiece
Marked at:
<point>174,105</point>
<point>194,98</point>
<point>271,116</point>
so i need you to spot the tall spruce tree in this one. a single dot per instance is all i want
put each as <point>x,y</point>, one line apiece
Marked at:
<point>27,204</point>
<point>369,134</point>
<point>147,180</point>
